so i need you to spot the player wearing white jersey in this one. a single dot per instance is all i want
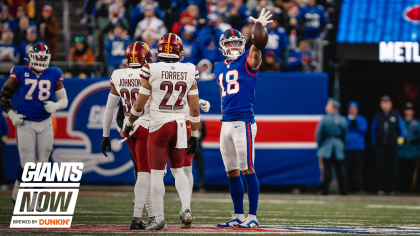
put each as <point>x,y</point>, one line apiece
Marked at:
<point>170,85</point>
<point>126,84</point>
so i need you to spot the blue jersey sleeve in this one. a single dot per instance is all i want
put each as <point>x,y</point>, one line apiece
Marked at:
<point>248,68</point>
<point>16,74</point>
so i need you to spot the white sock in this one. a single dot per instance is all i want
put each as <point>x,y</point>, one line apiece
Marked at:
<point>158,191</point>
<point>149,203</point>
<point>190,177</point>
<point>15,190</point>
<point>241,217</point>
<point>183,187</point>
<point>141,189</point>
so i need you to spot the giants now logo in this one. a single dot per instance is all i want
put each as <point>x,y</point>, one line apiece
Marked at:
<point>44,200</point>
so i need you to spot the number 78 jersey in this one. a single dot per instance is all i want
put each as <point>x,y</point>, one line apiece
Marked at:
<point>170,84</point>
<point>237,81</point>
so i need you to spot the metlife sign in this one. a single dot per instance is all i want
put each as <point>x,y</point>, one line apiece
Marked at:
<point>51,198</point>
<point>399,52</point>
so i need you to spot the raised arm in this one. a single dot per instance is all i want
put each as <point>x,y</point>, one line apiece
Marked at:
<point>254,58</point>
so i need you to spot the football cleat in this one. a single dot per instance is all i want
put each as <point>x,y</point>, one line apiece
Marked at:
<point>234,222</point>
<point>187,219</point>
<point>249,224</point>
<point>138,225</point>
<point>157,226</point>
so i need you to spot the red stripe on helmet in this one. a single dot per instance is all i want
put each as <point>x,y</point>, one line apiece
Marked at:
<point>42,47</point>
<point>232,32</point>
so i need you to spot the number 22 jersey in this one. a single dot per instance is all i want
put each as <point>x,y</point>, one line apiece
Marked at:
<point>34,90</point>
<point>170,84</point>
<point>237,81</point>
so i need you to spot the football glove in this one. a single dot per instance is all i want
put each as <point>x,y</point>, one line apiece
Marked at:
<point>106,142</point>
<point>192,145</point>
<point>50,107</point>
<point>204,105</point>
<point>127,130</point>
<point>263,19</point>
<point>17,119</point>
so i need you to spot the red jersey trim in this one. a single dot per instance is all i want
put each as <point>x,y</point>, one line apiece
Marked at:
<point>246,66</point>
<point>144,77</point>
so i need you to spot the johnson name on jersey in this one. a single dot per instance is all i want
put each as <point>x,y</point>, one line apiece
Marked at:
<point>34,90</point>
<point>237,81</point>
<point>127,84</point>
<point>170,84</point>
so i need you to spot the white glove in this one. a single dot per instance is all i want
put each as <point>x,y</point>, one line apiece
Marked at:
<point>17,119</point>
<point>263,19</point>
<point>50,107</point>
<point>204,105</point>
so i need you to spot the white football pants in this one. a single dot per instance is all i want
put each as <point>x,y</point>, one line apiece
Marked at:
<point>35,141</point>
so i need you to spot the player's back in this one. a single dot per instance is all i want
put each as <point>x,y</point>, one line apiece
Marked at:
<point>34,90</point>
<point>170,84</point>
<point>237,81</point>
<point>127,83</point>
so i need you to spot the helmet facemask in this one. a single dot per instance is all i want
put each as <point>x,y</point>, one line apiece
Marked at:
<point>233,47</point>
<point>39,60</point>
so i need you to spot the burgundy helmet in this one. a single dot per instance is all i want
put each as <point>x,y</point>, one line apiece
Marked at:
<point>170,46</point>
<point>138,54</point>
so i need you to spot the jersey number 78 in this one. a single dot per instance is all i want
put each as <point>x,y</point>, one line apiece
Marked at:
<point>232,83</point>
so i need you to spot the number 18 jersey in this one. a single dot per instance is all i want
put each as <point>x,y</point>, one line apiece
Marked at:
<point>170,84</point>
<point>237,81</point>
<point>127,84</point>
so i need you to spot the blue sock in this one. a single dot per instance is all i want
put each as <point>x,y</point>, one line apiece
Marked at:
<point>237,192</point>
<point>253,188</point>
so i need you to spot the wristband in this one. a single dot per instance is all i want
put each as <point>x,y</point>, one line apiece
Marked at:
<point>128,123</point>
<point>136,113</point>
<point>194,133</point>
<point>145,91</point>
<point>193,92</point>
<point>195,119</point>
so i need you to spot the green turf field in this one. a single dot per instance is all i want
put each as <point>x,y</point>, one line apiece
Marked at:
<point>209,209</point>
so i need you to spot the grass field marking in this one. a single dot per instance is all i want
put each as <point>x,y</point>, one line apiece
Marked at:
<point>393,207</point>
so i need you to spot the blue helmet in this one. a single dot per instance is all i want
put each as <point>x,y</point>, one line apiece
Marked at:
<point>232,44</point>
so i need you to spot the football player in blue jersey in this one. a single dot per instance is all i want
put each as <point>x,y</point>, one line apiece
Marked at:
<point>237,77</point>
<point>34,86</point>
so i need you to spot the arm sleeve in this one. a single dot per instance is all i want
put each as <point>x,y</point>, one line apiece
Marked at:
<point>401,126</point>
<point>372,131</point>
<point>61,97</point>
<point>145,72</point>
<point>109,112</point>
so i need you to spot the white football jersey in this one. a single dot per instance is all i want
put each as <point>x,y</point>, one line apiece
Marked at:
<point>170,84</point>
<point>127,84</point>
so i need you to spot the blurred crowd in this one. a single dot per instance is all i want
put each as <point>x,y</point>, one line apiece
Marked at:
<point>19,29</point>
<point>295,35</point>
<point>395,140</point>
